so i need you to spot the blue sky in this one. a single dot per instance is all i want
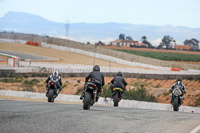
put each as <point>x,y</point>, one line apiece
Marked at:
<point>150,12</point>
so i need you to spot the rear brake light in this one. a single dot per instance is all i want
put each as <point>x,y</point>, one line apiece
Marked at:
<point>52,83</point>
<point>91,86</point>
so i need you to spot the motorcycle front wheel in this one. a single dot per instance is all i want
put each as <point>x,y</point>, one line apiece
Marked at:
<point>175,104</point>
<point>50,96</point>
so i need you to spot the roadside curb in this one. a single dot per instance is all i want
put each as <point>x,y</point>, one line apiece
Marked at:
<point>102,101</point>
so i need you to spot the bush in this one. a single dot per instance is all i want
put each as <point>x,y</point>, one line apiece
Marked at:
<point>166,93</point>
<point>140,94</point>
<point>79,91</point>
<point>197,103</point>
<point>63,86</point>
<point>33,81</point>
<point>106,92</point>
<point>12,80</point>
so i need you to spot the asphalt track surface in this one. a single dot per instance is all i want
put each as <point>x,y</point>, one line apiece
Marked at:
<point>43,117</point>
<point>24,56</point>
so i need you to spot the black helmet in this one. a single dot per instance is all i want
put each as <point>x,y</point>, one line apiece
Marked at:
<point>119,74</point>
<point>178,80</point>
<point>96,68</point>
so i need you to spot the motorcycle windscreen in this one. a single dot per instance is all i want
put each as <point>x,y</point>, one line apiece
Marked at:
<point>177,92</point>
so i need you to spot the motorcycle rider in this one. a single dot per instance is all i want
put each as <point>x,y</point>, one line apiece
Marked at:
<point>54,76</point>
<point>97,78</point>
<point>182,88</point>
<point>118,81</point>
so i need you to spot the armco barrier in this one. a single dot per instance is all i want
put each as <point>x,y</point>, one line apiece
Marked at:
<point>102,101</point>
<point>12,73</point>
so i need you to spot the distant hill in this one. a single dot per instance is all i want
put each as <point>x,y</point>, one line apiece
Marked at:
<point>93,32</point>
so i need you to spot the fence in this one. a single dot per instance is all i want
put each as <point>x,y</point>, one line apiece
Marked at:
<point>77,68</point>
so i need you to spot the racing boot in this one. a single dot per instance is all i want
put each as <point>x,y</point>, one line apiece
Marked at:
<point>82,95</point>
<point>98,95</point>
<point>58,91</point>
<point>47,90</point>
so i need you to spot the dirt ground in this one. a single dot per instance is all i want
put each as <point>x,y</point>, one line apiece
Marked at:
<point>158,88</point>
<point>64,57</point>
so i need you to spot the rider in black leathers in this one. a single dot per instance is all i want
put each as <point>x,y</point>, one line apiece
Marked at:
<point>118,81</point>
<point>54,76</point>
<point>182,88</point>
<point>97,78</point>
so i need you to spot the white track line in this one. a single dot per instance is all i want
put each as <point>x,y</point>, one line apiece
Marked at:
<point>9,55</point>
<point>195,129</point>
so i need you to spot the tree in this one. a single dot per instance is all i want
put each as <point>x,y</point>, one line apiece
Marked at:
<point>129,38</point>
<point>144,40</point>
<point>166,41</point>
<point>193,43</point>
<point>121,36</point>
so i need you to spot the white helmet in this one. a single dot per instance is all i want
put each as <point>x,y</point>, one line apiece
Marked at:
<point>55,73</point>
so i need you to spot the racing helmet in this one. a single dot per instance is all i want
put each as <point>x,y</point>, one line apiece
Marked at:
<point>119,74</point>
<point>55,73</point>
<point>178,81</point>
<point>96,68</point>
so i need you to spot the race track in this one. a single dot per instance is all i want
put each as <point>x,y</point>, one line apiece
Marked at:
<point>25,56</point>
<point>43,117</point>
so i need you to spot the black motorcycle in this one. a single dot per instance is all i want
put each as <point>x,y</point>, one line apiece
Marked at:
<point>90,95</point>
<point>52,93</point>
<point>117,94</point>
<point>177,98</point>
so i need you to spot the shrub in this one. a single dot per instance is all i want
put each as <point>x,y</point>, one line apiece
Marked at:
<point>12,80</point>
<point>33,81</point>
<point>166,93</point>
<point>197,103</point>
<point>63,86</point>
<point>106,92</point>
<point>79,91</point>
<point>140,94</point>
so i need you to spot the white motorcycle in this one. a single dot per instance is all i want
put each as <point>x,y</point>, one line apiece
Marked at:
<point>177,98</point>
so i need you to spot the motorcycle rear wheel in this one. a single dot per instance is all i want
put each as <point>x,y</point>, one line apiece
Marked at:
<point>116,101</point>
<point>87,101</point>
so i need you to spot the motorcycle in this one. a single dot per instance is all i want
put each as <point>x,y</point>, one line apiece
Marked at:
<point>90,95</point>
<point>177,98</point>
<point>52,94</point>
<point>117,94</point>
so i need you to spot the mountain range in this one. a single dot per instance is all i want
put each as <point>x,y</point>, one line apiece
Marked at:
<point>93,32</point>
